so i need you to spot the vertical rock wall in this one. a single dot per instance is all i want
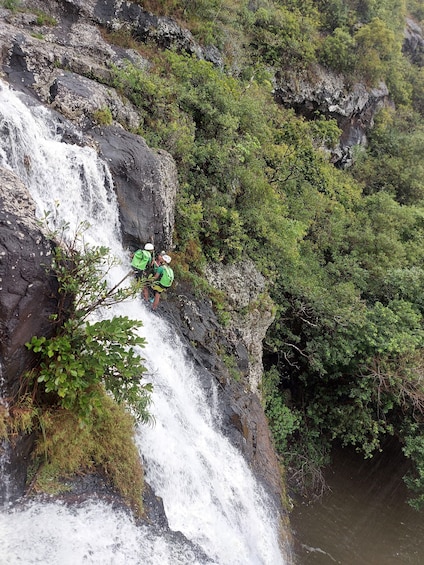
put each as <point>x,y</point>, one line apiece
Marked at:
<point>27,299</point>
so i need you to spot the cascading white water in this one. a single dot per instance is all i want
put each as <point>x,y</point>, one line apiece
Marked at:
<point>208,490</point>
<point>4,445</point>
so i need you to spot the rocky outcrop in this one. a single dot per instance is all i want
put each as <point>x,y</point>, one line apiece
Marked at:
<point>323,92</point>
<point>250,433</point>
<point>236,345</point>
<point>79,99</point>
<point>250,312</point>
<point>413,43</point>
<point>319,91</point>
<point>144,26</point>
<point>75,43</point>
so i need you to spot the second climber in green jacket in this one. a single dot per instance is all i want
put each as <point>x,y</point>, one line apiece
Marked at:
<point>163,279</point>
<point>142,259</point>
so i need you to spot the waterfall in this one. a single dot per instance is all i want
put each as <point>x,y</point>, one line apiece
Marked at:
<point>4,446</point>
<point>209,493</point>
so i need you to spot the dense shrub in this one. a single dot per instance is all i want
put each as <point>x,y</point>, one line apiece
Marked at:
<point>337,51</point>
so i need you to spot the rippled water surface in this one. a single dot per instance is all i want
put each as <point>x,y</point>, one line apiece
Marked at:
<point>364,519</point>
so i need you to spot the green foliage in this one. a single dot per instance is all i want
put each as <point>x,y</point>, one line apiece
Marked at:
<point>405,284</point>
<point>13,5</point>
<point>399,87</point>
<point>338,51</point>
<point>325,132</point>
<point>65,446</point>
<point>363,39</point>
<point>163,124</point>
<point>414,450</point>
<point>392,330</point>
<point>189,216</point>
<point>231,364</point>
<point>206,27</point>
<point>376,48</point>
<point>227,135</point>
<point>342,250</point>
<point>103,116</point>
<point>44,19</point>
<point>416,80</point>
<point>393,162</point>
<point>18,417</point>
<point>348,328</point>
<point>223,234</point>
<point>392,12</point>
<point>283,421</point>
<point>3,423</point>
<point>82,356</point>
<point>335,14</point>
<point>416,9</point>
<point>283,37</point>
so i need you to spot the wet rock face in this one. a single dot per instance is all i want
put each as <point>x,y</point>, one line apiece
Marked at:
<point>28,291</point>
<point>145,180</point>
<point>146,185</point>
<point>249,430</point>
<point>27,299</point>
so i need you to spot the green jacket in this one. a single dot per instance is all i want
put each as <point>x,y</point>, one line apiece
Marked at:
<point>141,259</point>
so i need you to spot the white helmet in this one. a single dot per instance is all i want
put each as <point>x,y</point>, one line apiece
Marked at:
<point>149,246</point>
<point>166,258</point>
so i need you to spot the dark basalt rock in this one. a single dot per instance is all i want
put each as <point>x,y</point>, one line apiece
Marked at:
<point>28,291</point>
<point>145,183</point>
<point>28,296</point>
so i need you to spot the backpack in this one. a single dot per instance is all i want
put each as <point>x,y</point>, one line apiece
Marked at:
<point>167,277</point>
<point>141,258</point>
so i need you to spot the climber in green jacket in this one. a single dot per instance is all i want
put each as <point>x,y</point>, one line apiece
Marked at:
<point>142,259</point>
<point>163,278</point>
